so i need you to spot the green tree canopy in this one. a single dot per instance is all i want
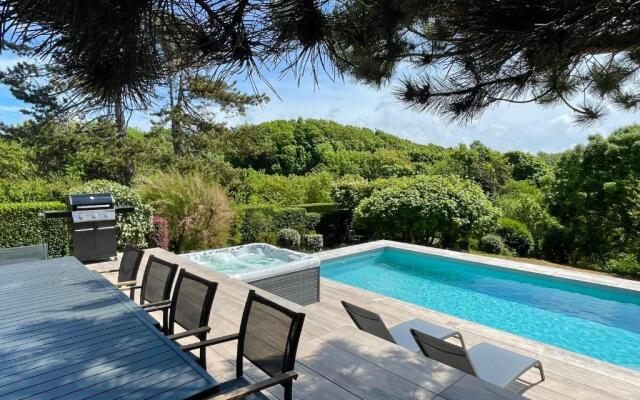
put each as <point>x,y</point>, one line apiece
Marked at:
<point>596,196</point>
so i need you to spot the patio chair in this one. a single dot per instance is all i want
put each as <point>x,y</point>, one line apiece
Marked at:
<point>155,289</point>
<point>190,308</point>
<point>268,338</point>
<point>400,334</point>
<point>128,271</point>
<point>12,255</point>
<point>490,363</point>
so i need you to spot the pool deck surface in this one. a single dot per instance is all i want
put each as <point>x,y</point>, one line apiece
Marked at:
<point>336,361</point>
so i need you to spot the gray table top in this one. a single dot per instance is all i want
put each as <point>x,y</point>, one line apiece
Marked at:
<point>66,332</point>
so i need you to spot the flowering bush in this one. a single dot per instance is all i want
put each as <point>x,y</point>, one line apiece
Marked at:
<point>132,228</point>
<point>288,238</point>
<point>159,236</point>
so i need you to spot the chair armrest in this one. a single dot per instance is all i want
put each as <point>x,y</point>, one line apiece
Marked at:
<point>210,342</point>
<point>257,387</point>
<point>190,332</point>
<point>108,271</point>
<point>125,283</point>
<point>161,305</point>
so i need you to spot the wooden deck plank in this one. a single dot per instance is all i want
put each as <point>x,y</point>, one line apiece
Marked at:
<point>568,376</point>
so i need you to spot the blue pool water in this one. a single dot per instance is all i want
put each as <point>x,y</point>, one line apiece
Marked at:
<point>593,320</point>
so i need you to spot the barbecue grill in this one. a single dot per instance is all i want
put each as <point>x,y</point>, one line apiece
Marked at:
<point>93,230</point>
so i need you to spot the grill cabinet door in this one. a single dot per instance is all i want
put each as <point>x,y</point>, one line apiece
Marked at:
<point>106,240</point>
<point>84,240</point>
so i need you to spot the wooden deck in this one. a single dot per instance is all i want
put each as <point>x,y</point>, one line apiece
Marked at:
<point>338,362</point>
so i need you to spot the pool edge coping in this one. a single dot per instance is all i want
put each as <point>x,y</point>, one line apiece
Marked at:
<point>604,280</point>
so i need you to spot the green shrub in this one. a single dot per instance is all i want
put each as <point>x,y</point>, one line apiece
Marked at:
<point>349,192</point>
<point>198,211</point>
<point>432,210</point>
<point>35,189</point>
<point>286,190</point>
<point>515,235</point>
<point>266,237</point>
<point>626,264</point>
<point>312,242</point>
<point>491,243</point>
<point>288,238</point>
<point>132,228</point>
<point>257,220</point>
<point>20,225</point>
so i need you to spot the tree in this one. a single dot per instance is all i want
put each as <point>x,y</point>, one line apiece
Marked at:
<point>442,210</point>
<point>460,57</point>
<point>596,196</point>
<point>528,167</point>
<point>524,201</point>
<point>191,101</point>
<point>54,98</point>
<point>112,49</point>
<point>15,162</point>
<point>486,167</point>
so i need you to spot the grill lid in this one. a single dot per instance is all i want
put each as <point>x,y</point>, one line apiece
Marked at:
<point>91,199</point>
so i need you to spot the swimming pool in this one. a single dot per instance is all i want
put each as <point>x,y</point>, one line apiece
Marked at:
<point>593,320</point>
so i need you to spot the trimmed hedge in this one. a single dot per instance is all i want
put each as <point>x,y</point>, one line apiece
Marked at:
<point>321,208</point>
<point>20,225</point>
<point>255,221</point>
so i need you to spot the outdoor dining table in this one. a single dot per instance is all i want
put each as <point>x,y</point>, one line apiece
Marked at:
<point>66,332</point>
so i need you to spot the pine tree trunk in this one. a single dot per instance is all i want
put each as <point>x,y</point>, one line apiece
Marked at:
<point>121,124</point>
<point>176,127</point>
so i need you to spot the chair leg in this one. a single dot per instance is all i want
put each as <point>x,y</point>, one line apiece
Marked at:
<point>165,322</point>
<point>203,358</point>
<point>288,390</point>
<point>131,294</point>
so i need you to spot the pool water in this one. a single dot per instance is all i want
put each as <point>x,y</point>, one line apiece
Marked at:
<point>593,320</point>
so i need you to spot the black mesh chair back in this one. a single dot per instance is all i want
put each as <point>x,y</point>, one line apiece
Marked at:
<point>192,302</point>
<point>130,264</point>
<point>444,352</point>
<point>368,321</point>
<point>13,255</point>
<point>269,335</point>
<point>157,280</point>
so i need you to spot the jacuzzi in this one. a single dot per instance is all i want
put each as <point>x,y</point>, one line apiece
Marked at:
<point>286,273</point>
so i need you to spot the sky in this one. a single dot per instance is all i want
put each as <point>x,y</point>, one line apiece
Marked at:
<point>527,127</point>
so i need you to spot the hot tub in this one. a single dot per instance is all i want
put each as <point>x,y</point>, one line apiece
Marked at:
<point>286,273</point>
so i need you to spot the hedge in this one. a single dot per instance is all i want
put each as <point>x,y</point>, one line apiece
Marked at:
<point>321,208</point>
<point>20,225</point>
<point>253,222</point>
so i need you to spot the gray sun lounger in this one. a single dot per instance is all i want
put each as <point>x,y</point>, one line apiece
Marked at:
<point>490,363</point>
<point>400,334</point>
